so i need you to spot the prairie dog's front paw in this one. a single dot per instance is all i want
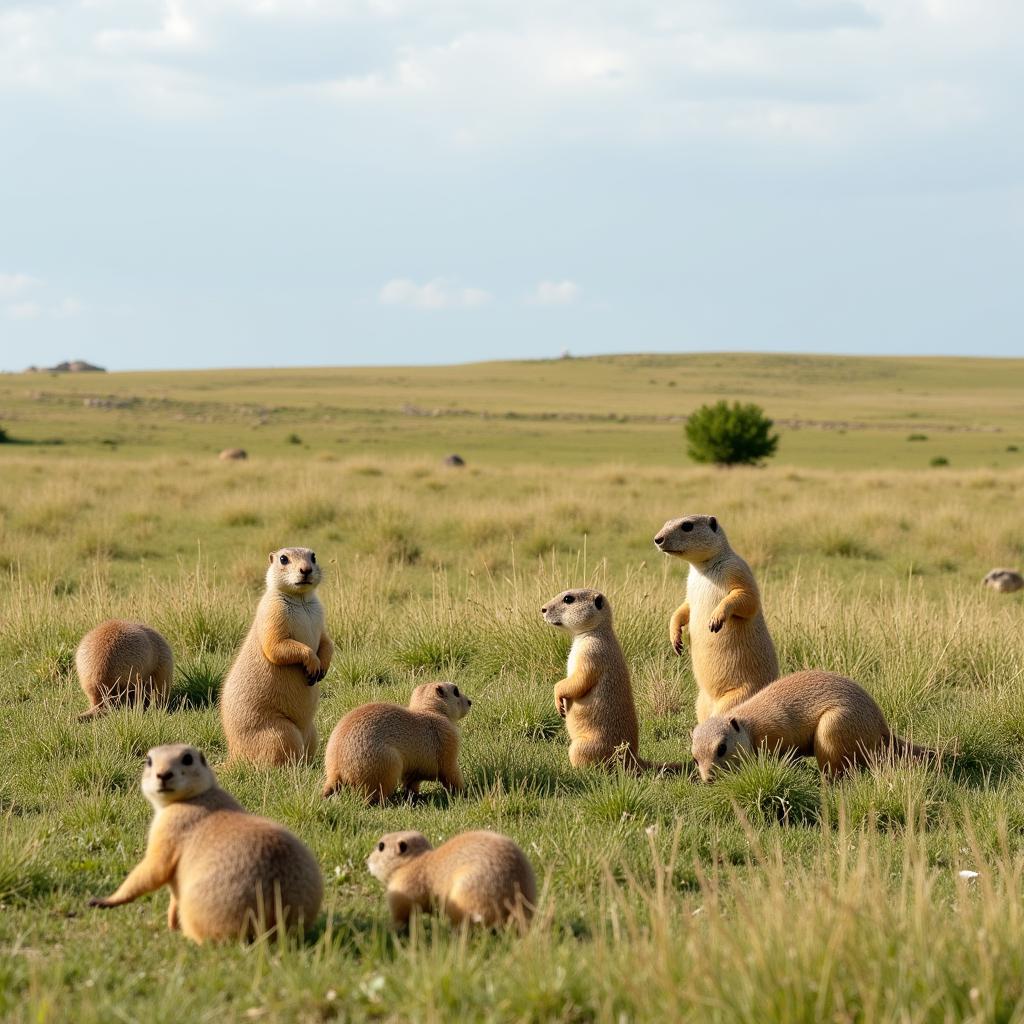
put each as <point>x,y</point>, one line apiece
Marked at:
<point>562,703</point>
<point>99,901</point>
<point>311,663</point>
<point>677,641</point>
<point>717,623</point>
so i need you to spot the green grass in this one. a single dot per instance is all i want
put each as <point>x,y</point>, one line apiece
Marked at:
<point>768,896</point>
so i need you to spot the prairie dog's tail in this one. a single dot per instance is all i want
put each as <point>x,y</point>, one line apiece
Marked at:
<point>904,748</point>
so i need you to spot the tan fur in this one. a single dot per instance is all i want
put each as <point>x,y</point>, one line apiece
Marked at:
<point>122,662</point>
<point>474,878</point>
<point>730,647</point>
<point>1004,581</point>
<point>596,697</point>
<point>377,747</point>
<point>812,712</point>
<point>232,875</point>
<point>270,696</point>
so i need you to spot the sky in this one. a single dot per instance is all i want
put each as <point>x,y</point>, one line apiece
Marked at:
<point>332,182</point>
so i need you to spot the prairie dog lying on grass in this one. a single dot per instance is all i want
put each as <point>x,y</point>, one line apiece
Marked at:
<point>232,875</point>
<point>813,712</point>
<point>477,878</point>
<point>377,747</point>
<point>122,662</point>
<point>1004,581</point>
<point>270,696</point>
<point>730,647</point>
<point>596,697</point>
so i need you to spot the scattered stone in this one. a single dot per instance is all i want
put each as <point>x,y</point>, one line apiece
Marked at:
<point>232,454</point>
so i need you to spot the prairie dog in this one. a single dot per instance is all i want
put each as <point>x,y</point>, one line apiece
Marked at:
<point>270,696</point>
<point>232,875</point>
<point>477,877</point>
<point>596,697</point>
<point>377,747</point>
<point>122,662</point>
<point>1005,581</point>
<point>812,712</point>
<point>731,649</point>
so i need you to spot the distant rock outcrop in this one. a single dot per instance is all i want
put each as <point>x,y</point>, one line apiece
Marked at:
<point>74,366</point>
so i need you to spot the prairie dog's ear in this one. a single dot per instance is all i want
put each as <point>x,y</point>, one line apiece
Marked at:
<point>599,601</point>
<point>734,724</point>
<point>271,557</point>
<point>713,523</point>
<point>440,691</point>
<point>402,846</point>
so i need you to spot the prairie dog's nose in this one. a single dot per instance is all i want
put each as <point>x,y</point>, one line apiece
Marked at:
<point>306,570</point>
<point>469,703</point>
<point>659,539</point>
<point>544,609</point>
<point>164,776</point>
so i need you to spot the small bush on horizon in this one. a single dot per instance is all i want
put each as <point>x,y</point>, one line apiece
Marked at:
<point>736,435</point>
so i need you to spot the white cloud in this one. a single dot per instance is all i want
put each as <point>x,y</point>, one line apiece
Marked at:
<point>67,307</point>
<point>15,284</point>
<point>555,293</point>
<point>440,293</point>
<point>24,311</point>
<point>177,31</point>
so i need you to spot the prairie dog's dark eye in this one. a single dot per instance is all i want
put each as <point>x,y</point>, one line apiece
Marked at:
<point>455,690</point>
<point>402,846</point>
<point>568,599</point>
<point>149,761</point>
<point>312,557</point>
<point>722,748</point>
<point>186,760</point>
<point>284,559</point>
<point>687,527</point>
<point>380,846</point>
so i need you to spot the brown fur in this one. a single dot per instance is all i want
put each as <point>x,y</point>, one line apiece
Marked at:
<point>122,662</point>
<point>270,696</point>
<point>812,712</point>
<point>377,747</point>
<point>232,875</point>
<point>474,878</point>
<point>731,649</point>
<point>596,697</point>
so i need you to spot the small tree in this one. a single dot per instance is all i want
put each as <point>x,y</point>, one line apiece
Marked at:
<point>730,435</point>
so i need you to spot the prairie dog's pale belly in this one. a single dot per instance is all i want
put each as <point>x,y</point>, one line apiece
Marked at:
<point>703,595</point>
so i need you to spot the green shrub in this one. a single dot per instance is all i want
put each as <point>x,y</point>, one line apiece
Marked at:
<point>939,460</point>
<point>730,435</point>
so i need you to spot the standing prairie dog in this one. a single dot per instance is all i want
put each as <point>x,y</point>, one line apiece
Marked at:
<point>270,696</point>
<point>232,875</point>
<point>731,649</point>
<point>477,878</point>
<point>596,697</point>
<point>122,662</point>
<point>812,712</point>
<point>376,747</point>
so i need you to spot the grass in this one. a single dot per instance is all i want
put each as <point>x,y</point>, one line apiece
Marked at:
<point>768,896</point>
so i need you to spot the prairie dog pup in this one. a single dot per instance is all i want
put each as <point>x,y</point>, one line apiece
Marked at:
<point>270,696</point>
<point>477,878</point>
<point>731,649</point>
<point>230,872</point>
<point>376,747</point>
<point>122,662</point>
<point>596,697</point>
<point>813,712</point>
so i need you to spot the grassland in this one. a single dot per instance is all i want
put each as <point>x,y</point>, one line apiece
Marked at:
<point>766,897</point>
